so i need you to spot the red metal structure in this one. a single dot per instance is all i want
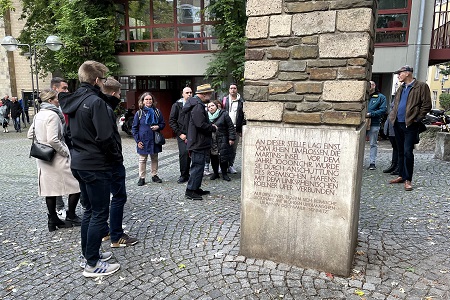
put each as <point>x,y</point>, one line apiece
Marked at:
<point>440,40</point>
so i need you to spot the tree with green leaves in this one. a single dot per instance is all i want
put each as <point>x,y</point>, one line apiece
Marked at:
<point>228,63</point>
<point>88,30</point>
<point>444,101</point>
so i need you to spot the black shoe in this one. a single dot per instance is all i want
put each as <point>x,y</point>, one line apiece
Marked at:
<point>54,221</point>
<point>214,176</point>
<point>182,179</point>
<point>156,179</point>
<point>75,221</point>
<point>372,167</point>
<point>192,195</point>
<point>390,169</point>
<point>141,181</point>
<point>226,177</point>
<point>202,192</point>
<point>395,172</point>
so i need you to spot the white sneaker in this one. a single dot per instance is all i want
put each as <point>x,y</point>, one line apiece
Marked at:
<point>206,172</point>
<point>103,257</point>
<point>61,213</point>
<point>232,170</point>
<point>102,268</point>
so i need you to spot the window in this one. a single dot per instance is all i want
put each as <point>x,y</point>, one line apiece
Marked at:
<point>437,72</point>
<point>434,99</point>
<point>165,26</point>
<point>393,22</point>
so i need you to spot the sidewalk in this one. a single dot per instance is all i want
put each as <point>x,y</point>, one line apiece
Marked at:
<point>190,249</point>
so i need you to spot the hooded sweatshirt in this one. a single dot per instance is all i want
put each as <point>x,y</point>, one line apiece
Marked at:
<point>90,128</point>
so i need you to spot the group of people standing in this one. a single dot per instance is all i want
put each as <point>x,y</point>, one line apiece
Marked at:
<point>88,163</point>
<point>12,109</point>
<point>410,104</point>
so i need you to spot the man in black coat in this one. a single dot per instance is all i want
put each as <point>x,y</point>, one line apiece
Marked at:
<point>176,123</point>
<point>16,112</point>
<point>199,133</point>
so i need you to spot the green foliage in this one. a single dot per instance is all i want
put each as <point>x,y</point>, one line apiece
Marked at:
<point>444,101</point>
<point>88,30</point>
<point>5,5</point>
<point>228,63</point>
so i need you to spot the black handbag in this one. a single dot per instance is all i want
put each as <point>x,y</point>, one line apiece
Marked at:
<point>159,138</point>
<point>41,151</point>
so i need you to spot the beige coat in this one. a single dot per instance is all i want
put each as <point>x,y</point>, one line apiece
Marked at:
<point>54,178</point>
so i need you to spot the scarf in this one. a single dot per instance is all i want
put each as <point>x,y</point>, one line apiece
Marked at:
<point>48,106</point>
<point>213,117</point>
<point>151,115</point>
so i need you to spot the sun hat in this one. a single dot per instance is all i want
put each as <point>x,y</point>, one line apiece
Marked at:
<point>204,88</point>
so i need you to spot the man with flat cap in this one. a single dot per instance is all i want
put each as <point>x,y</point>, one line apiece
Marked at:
<point>199,134</point>
<point>412,102</point>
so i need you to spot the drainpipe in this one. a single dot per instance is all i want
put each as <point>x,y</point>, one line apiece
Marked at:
<point>419,37</point>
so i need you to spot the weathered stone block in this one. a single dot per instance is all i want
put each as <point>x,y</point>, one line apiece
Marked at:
<point>280,25</point>
<point>288,42</point>
<point>260,43</point>
<point>255,93</point>
<point>346,20</point>
<point>300,7</point>
<point>345,4</point>
<point>308,87</point>
<point>344,91</point>
<point>313,106</point>
<point>312,98</point>
<point>310,40</point>
<point>278,53</point>
<point>252,54</point>
<point>323,63</point>
<point>348,106</point>
<point>280,88</point>
<point>442,150</point>
<point>304,51</point>
<point>357,61</point>
<point>257,70</point>
<point>290,106</point>
<point>286,97</point>
<point>302,118</point>
<point>353,73</point>
<point>257,28</point>
<point>263,7</point>
<point>353,44</point>
<point>322,74</point>
<point>313,23</point>
<point>292,66</point>
<point>263,111</point>
<point>342,118</point>
<point>292,76</point>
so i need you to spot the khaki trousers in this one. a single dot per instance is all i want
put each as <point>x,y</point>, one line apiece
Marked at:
<point>143,164</point>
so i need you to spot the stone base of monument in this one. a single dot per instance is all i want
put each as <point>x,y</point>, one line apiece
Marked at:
<point>300,195</point>
<point>442,150</point>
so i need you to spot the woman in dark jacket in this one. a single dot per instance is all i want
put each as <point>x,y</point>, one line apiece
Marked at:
<point>222,140</point>
<point>147,120</point>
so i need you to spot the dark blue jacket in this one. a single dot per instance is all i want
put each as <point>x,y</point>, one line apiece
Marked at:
<point>143,133</point>
<point>377,108</point>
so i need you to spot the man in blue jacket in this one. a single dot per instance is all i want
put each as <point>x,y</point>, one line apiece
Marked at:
<point>376,108</point>
<point>94,152</point>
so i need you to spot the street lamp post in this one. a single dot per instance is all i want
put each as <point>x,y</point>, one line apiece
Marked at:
<point>52,42</point>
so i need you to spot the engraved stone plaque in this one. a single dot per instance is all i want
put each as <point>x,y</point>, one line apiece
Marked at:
<point>300,195</point>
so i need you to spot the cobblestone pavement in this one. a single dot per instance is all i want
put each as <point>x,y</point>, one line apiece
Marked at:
<point>190,249</point>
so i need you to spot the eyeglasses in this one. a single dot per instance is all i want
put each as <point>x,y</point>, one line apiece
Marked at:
<point>188,92</point>
<point>148,99</point>
<point>102,78</point>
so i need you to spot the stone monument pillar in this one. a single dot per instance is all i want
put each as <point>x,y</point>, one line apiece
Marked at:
<point>306,79</point>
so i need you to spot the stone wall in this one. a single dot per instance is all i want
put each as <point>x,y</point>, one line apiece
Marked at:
<point>308,62</point>
<point>306,79</point>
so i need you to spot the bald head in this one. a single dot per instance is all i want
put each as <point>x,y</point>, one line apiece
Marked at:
<point>187,92</point>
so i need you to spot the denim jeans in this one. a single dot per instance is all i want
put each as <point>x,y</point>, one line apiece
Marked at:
<point>95,188</point>
<point>119,198</point>
<point>406,138</point>
<point>198,159</point>
<point>373,138</point>
<point>16,123</point>
<point>183,157</point>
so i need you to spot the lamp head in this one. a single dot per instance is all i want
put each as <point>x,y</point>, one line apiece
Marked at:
<point>9,43</point>
<point>53,43</point>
